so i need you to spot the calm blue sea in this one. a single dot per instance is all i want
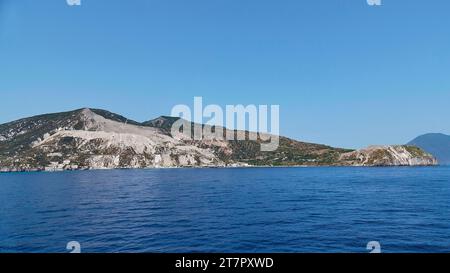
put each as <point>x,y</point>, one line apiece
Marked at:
<point>227,210</point>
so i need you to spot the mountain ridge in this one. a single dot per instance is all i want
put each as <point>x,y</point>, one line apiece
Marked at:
<point>98,139</point>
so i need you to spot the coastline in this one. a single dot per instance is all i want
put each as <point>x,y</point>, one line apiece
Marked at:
<point>3,171</point>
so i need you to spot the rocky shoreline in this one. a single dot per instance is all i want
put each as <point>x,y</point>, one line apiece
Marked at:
<point>235,166</point>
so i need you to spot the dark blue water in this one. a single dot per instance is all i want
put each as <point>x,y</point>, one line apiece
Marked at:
<point>227,210</point>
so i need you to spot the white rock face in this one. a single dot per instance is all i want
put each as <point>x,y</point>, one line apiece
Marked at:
<point>394,155</point>
<point>120,145</point>
<point>94,122</point>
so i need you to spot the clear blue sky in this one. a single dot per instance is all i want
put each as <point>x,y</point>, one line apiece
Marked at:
<point>344,73</point>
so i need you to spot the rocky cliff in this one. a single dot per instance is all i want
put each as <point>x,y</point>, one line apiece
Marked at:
<point>98,139</point>
<point>388,156</point>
